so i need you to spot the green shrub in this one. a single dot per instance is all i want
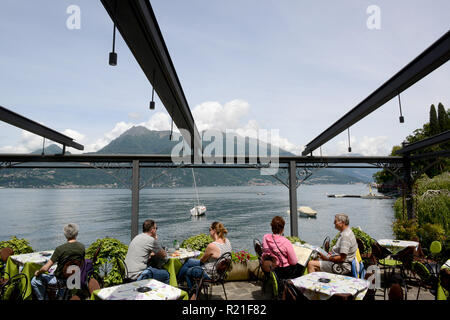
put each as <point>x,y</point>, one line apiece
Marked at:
<point>197,242</point>
<point>19,246</point>
<point>405,229</point>
<point>294,239</point>
<point>107,267</point>
<point>430,232</point>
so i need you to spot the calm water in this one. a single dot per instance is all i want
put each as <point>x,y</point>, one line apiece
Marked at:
<point>40,214</point>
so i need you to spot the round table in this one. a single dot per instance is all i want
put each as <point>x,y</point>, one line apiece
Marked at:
<point>313,288</point>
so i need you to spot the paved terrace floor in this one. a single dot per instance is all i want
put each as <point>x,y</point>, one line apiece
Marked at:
<point>244,290</point>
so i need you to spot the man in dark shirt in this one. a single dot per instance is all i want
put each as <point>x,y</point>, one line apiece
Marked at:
<point>71,250</point>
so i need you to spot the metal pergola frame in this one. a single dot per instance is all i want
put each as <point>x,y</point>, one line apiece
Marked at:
<point>22,122</point>
<point>138,26</point>
<point>429,60</point>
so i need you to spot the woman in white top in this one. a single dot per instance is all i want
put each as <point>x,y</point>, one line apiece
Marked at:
<point>193,268</point>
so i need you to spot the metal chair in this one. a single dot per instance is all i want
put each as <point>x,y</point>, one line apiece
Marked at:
<point>259,251</point>
<point>4,254</point>
<point>218,276</point>
<point>53,291</point>
<point>326,244</point>
<point>123,269</point>
<point>15,288</point>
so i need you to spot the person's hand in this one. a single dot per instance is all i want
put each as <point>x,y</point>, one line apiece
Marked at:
<point>37,273</point>
<point>323,257</point>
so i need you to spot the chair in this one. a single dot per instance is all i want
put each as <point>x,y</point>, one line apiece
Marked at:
<point>94,258</point>
<point>218,276</point>
<point>53,290</point>
<point>326,244</point>
<point>259,252</point>
<point>4,254</point>
<point>93,285</point>
<point>15,288</point>
<point>427,277</point>
<point>123,269</point>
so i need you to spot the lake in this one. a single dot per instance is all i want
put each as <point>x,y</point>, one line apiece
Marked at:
<point>40,214</point>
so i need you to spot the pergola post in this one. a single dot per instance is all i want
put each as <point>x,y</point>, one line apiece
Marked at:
<point>409,188</point>
<point>293,198</point>
<point>135,200</point>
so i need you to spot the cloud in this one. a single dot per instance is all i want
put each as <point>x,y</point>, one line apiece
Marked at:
<point>367,146</point>
<point>29,142</point>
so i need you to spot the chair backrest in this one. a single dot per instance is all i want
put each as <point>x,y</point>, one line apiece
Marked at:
<point>406,256</point>
<point>5,253</point>
<point>290,291</point>
<point>258,247</point>
<point>15,288</point>
<point>361,245</point>
<point>93,285</point>
<point>123,269</point>
<point>222,266</point>
<point>72,262</point>
<point>379,252</point>
<point>326,244</point>
<point>94,258</point>
<point>421,270</point>
<point>395,292</point>
<point>435,247</point>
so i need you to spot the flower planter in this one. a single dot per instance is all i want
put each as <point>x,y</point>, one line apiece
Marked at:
<point>243,271</point>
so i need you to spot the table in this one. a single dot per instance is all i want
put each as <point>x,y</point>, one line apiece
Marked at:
<point>175,262</point>
<point>128,291</point>
<point>396,245</point>
<point>441,294</point>
<point>28,264</point>
<point>313,289</point>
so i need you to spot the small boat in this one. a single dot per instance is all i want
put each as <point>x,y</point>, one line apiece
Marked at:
<point>307,212</point>
<point>335,195</point>
<point>199,209</point>
<point>261,194</point>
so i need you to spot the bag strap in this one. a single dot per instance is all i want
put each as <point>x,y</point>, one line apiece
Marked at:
<point>273,237</point>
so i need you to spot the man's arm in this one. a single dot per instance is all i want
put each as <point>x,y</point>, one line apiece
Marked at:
<point>338,258</point>
<point>44,268</point>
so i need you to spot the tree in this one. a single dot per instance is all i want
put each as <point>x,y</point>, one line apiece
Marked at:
<point>434,124</point>
<point>443,119</point>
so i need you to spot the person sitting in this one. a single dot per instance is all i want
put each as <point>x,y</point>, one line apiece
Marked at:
<point>193,268</point>
<point>340,259</point>
<point>71,250</point>
<point>276,245</point>
<point>145,255</point>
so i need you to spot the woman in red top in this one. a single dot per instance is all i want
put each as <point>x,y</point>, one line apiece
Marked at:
<point>276,245</point>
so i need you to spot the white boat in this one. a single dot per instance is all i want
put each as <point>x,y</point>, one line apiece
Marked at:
<point>307,212</point>
<point>372,195</point>
<point>199,209</point>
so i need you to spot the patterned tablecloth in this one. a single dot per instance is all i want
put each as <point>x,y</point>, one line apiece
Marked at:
<point>313,289</point>
<point>397,245</point>
<point>129,291</point>
<point>184,254</point>
<point>40,257</point>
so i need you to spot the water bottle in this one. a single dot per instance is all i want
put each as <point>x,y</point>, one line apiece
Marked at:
<point>175,244</point>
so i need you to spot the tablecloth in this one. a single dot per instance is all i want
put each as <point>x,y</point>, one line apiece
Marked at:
<point>313,289</point>
<point>175,262</point>
<point>27,264</point>
<point>128,291</point>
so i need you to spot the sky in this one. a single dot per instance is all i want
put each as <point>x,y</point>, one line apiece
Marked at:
<point>295,66</point>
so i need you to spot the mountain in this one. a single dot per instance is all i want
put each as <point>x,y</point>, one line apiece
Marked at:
<point>139,140</point>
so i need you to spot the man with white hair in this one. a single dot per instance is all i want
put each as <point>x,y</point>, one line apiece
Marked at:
<point>339,260</point>
<point>71,250</point>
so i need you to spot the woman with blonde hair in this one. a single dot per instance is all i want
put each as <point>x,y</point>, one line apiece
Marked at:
<point>193,268</point>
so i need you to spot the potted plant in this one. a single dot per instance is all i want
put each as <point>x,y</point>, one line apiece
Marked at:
<point>243,265</point>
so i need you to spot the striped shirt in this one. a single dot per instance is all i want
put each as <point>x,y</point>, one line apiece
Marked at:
<point>346,244</point>
<point>209,265</point>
